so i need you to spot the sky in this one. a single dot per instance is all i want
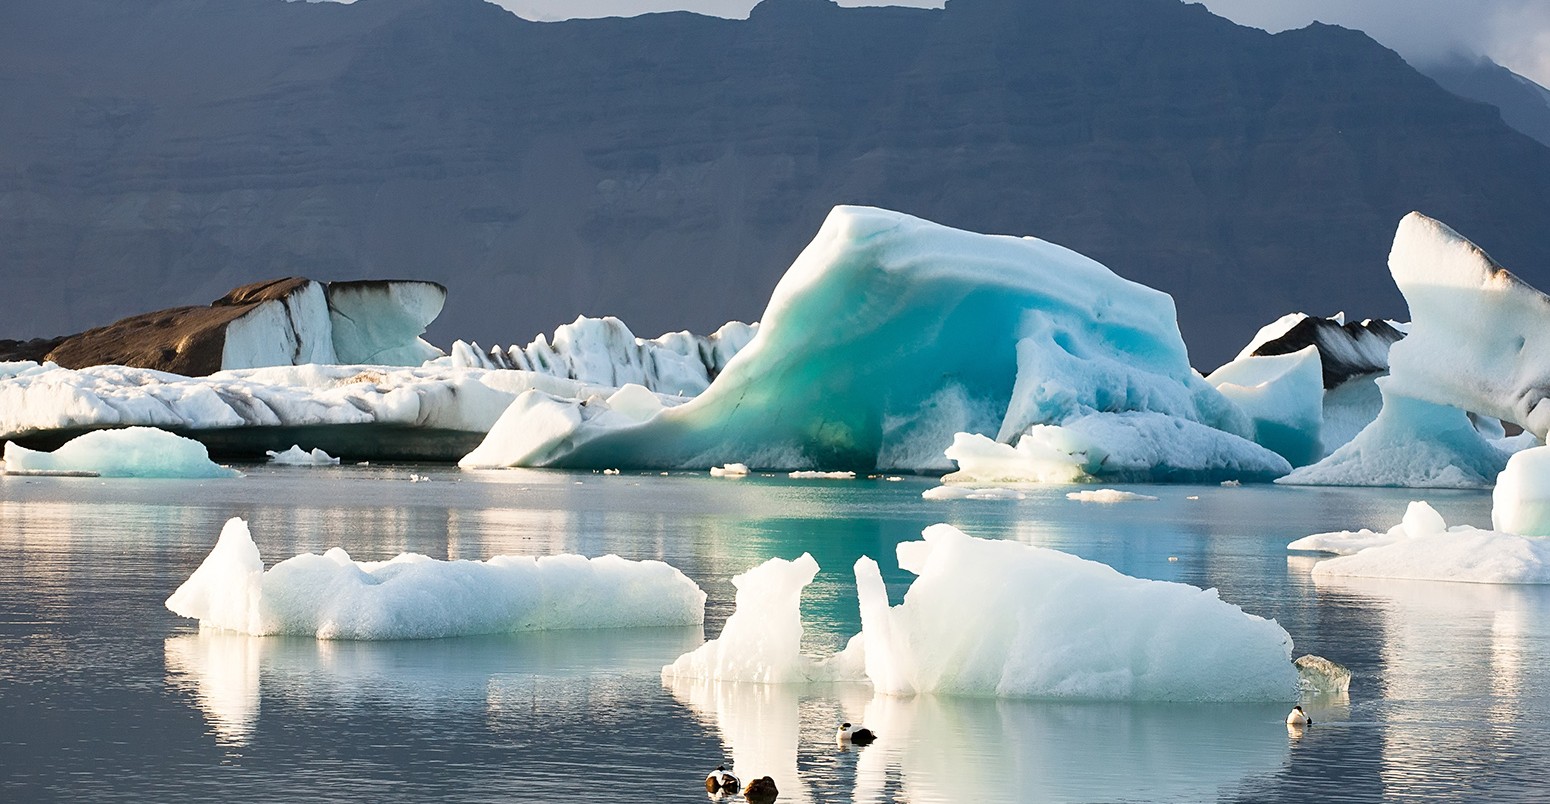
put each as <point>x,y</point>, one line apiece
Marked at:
<point>1514,33</point>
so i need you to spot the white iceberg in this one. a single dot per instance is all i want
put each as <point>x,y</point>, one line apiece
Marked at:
<point>1420,519</point>
<point>761,642</point>
<point>1520,502</point>
<point>972,493</point>
<point>997,618</point>
<point>730,470</point>
<point>126,452</point>
<point>296,456</point>
<point>603,351</point>
<point>415,597</point>
<point>889,334</point>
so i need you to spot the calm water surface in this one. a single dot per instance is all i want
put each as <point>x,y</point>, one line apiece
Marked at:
<point>105,695</point>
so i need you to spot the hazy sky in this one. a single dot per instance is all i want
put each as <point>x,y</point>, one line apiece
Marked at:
<point>1515,33</point>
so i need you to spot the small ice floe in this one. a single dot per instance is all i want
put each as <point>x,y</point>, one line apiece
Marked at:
<point>610,471</point>
<point>970,493</point>
<point>296,456</point>
<point>127,452</point>
<point>416,478</point>
<point>823,475</point>
<point>333,596</point>
<point>721,781</point>
<point>730,470</point>
<point>858,735</point>
<point>893,478</point>
<point>1317,675</point>
<point>1108,496</point>
<point>1423,548</point>
<point>1193,497</point>
<point>1232,483</point>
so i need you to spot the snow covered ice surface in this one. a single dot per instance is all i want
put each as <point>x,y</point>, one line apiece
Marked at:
<point>998,618</point>
<point>1108,496</point>
<point>415,597</point>
<point>889,334</point>
<point>296,456</point>
<point>1423,548</point>
<point>126,452</point>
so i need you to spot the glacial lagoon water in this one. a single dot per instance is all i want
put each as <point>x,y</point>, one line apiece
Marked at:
<point>107,696</point>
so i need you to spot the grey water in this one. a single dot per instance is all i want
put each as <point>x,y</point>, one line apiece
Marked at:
<point>107,696</point>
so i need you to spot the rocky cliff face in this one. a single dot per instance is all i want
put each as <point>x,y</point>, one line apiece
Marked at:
<point>667,168</point>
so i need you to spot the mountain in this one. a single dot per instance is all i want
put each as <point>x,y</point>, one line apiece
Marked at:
<point>667,168</point>
<point>1524,104</point>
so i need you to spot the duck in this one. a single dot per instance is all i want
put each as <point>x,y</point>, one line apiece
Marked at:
<point>854,734</point>
<point>721,781</point>
<point>761,791</point>
<point>1297,717</point>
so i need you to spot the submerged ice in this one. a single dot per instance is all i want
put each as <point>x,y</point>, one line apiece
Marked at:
<point>415,597</point>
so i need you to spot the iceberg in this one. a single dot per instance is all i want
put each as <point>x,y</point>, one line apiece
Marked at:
<point>1283,396</point>
<point>379,322</point>
<point>1475,351</point>
<point>889,334</point>
<point>1108,496</point>
<point>415,597</point>
<point>296,456</point>
<point>604,352</point>
<point>761,641</point>
<point>996,618</point>
<point>1521,501</point>
<point>1347,350</point>
<point>127,452</point>
<point>372,412</point>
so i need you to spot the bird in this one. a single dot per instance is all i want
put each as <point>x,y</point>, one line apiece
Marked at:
<point>720,781</point>
<point>1298,718</point>
<point>854,734</point>
<point>761,791</point>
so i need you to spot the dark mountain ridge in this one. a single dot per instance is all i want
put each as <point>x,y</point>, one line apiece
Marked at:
<point>667,168</point>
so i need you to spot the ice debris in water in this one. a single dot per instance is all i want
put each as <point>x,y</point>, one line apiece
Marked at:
<point>413,596</point>
<point>730,470</point>
<point>1317,675</point>
<point>127,452</point>
<point>999,618</point>
<point>1108,496</point>
<point>971,493</point>
<point>810,475</point>
<point>296,456</point>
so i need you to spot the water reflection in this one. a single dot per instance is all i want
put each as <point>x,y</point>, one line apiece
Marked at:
<point>228,674</point>
<point>943,749</point>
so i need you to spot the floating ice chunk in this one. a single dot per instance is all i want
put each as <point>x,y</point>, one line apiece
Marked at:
<point>1420,520</point>
<point>1108,496</point>
<point>970,493</point>
<point>414,597</point>
<point>1008,619</point>
<point>1283,396</point>
<point>1134,447</point>
<point>1423,548</point>
<point>1521,502</point>
<point>1414,444</point>
<point>296,456</point>
<point>730,470</point>
<point>127,452</point>
<point>1317,675</point>
<point>809,475</point>
<point>762,640</point>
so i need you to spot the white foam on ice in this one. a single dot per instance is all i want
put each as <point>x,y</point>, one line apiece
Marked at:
<point>1423,548</point>
<point>1108,496</point>
<point>1284,398</point>
<point>414,597</point>
<point>1001,618</point>
<point>1521,501</point>
<point>762,640</point>
<point>889,333</point>
<point>127,452</point>
<point>296,456</point>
